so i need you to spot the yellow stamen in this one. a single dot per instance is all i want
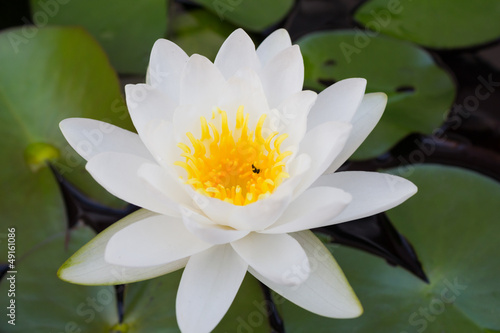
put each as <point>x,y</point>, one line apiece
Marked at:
<point>205,132</point>
<point>238,166</point>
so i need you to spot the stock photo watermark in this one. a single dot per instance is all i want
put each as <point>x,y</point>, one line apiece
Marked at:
<point>258,317</point>
<point>362,37</point>
<point>221,7</point>
<point>11,275</point>
<point>426,315</point>
<point>88,309</point>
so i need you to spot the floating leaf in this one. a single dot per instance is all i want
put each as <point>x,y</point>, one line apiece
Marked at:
<point>199,31</point>
<point>126,29</point>
<point>56,74</point>
<point>420,93</point>
<point>255,15</point>
<point>45,304</point>
<point>453,223</point>
<point>150,307</point>
<point>438,24</point>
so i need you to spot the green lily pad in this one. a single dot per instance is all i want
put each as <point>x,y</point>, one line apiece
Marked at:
<point>255,15</point>
<point>420,93</point>
<point>56,74</point>
<point>150,307</point>
<point>440,24</point>
<point>45,304</point>
<point>201,32</point>
<point>126,29</point>
<point>453,224</point>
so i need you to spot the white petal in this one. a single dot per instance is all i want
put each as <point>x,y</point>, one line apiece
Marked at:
<point>209,232</point>
<point>118,174</point>
<point>326,292</point>
<point>216,210</point>
<point>244,89</point>
<point>146,104</point>
<point>273,45</point>
<point>372,192</point>
<point>283,76</point>
<point>208,287</point>
<point>255,216</point>
<point>237,52</point>
<point>279,258</point>
<point>323,143</point>
<point>366,117</point>
<point>166,64</point>
<point>297,168</point>
<point>201,83</point>
<point>155,240</point>
<point>260,214</point>
<point>338,102</point>
<point>87,266</point>
<point>187,119</point>
<point>159,139</point>
<point>313,209</point>
<point>166,185</point>
<point>290,117</point>
<point>91,137</point>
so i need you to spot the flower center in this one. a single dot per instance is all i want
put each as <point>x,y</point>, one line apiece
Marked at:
<point>239,166</point>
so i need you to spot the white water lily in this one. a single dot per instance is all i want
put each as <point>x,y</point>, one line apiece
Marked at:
<point>233,163</point>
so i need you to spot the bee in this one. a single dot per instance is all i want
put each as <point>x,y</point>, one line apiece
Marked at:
<point>255,170</point>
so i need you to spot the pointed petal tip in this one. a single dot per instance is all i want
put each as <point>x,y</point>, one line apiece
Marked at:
<point>88,267</point>
<point>237,32</point>
<point>357,81</point>
<point>241,33</point>
<point>414,188</point>
<point>165,46</point>
<point>159,41</point>
<point>406,187</point>
<point>68,274</point>
<point>296,48</point>
<point>61,272</point>
<point>381,94</point>
<point>197,57</point>
<point>377,97</point>
<point>69,123</point>
<point>275,43</point>
<point>282,31</point>
<point>356,310</point>
<point>128,88</point>
<point>63,123</point>
<point>280,36</point>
